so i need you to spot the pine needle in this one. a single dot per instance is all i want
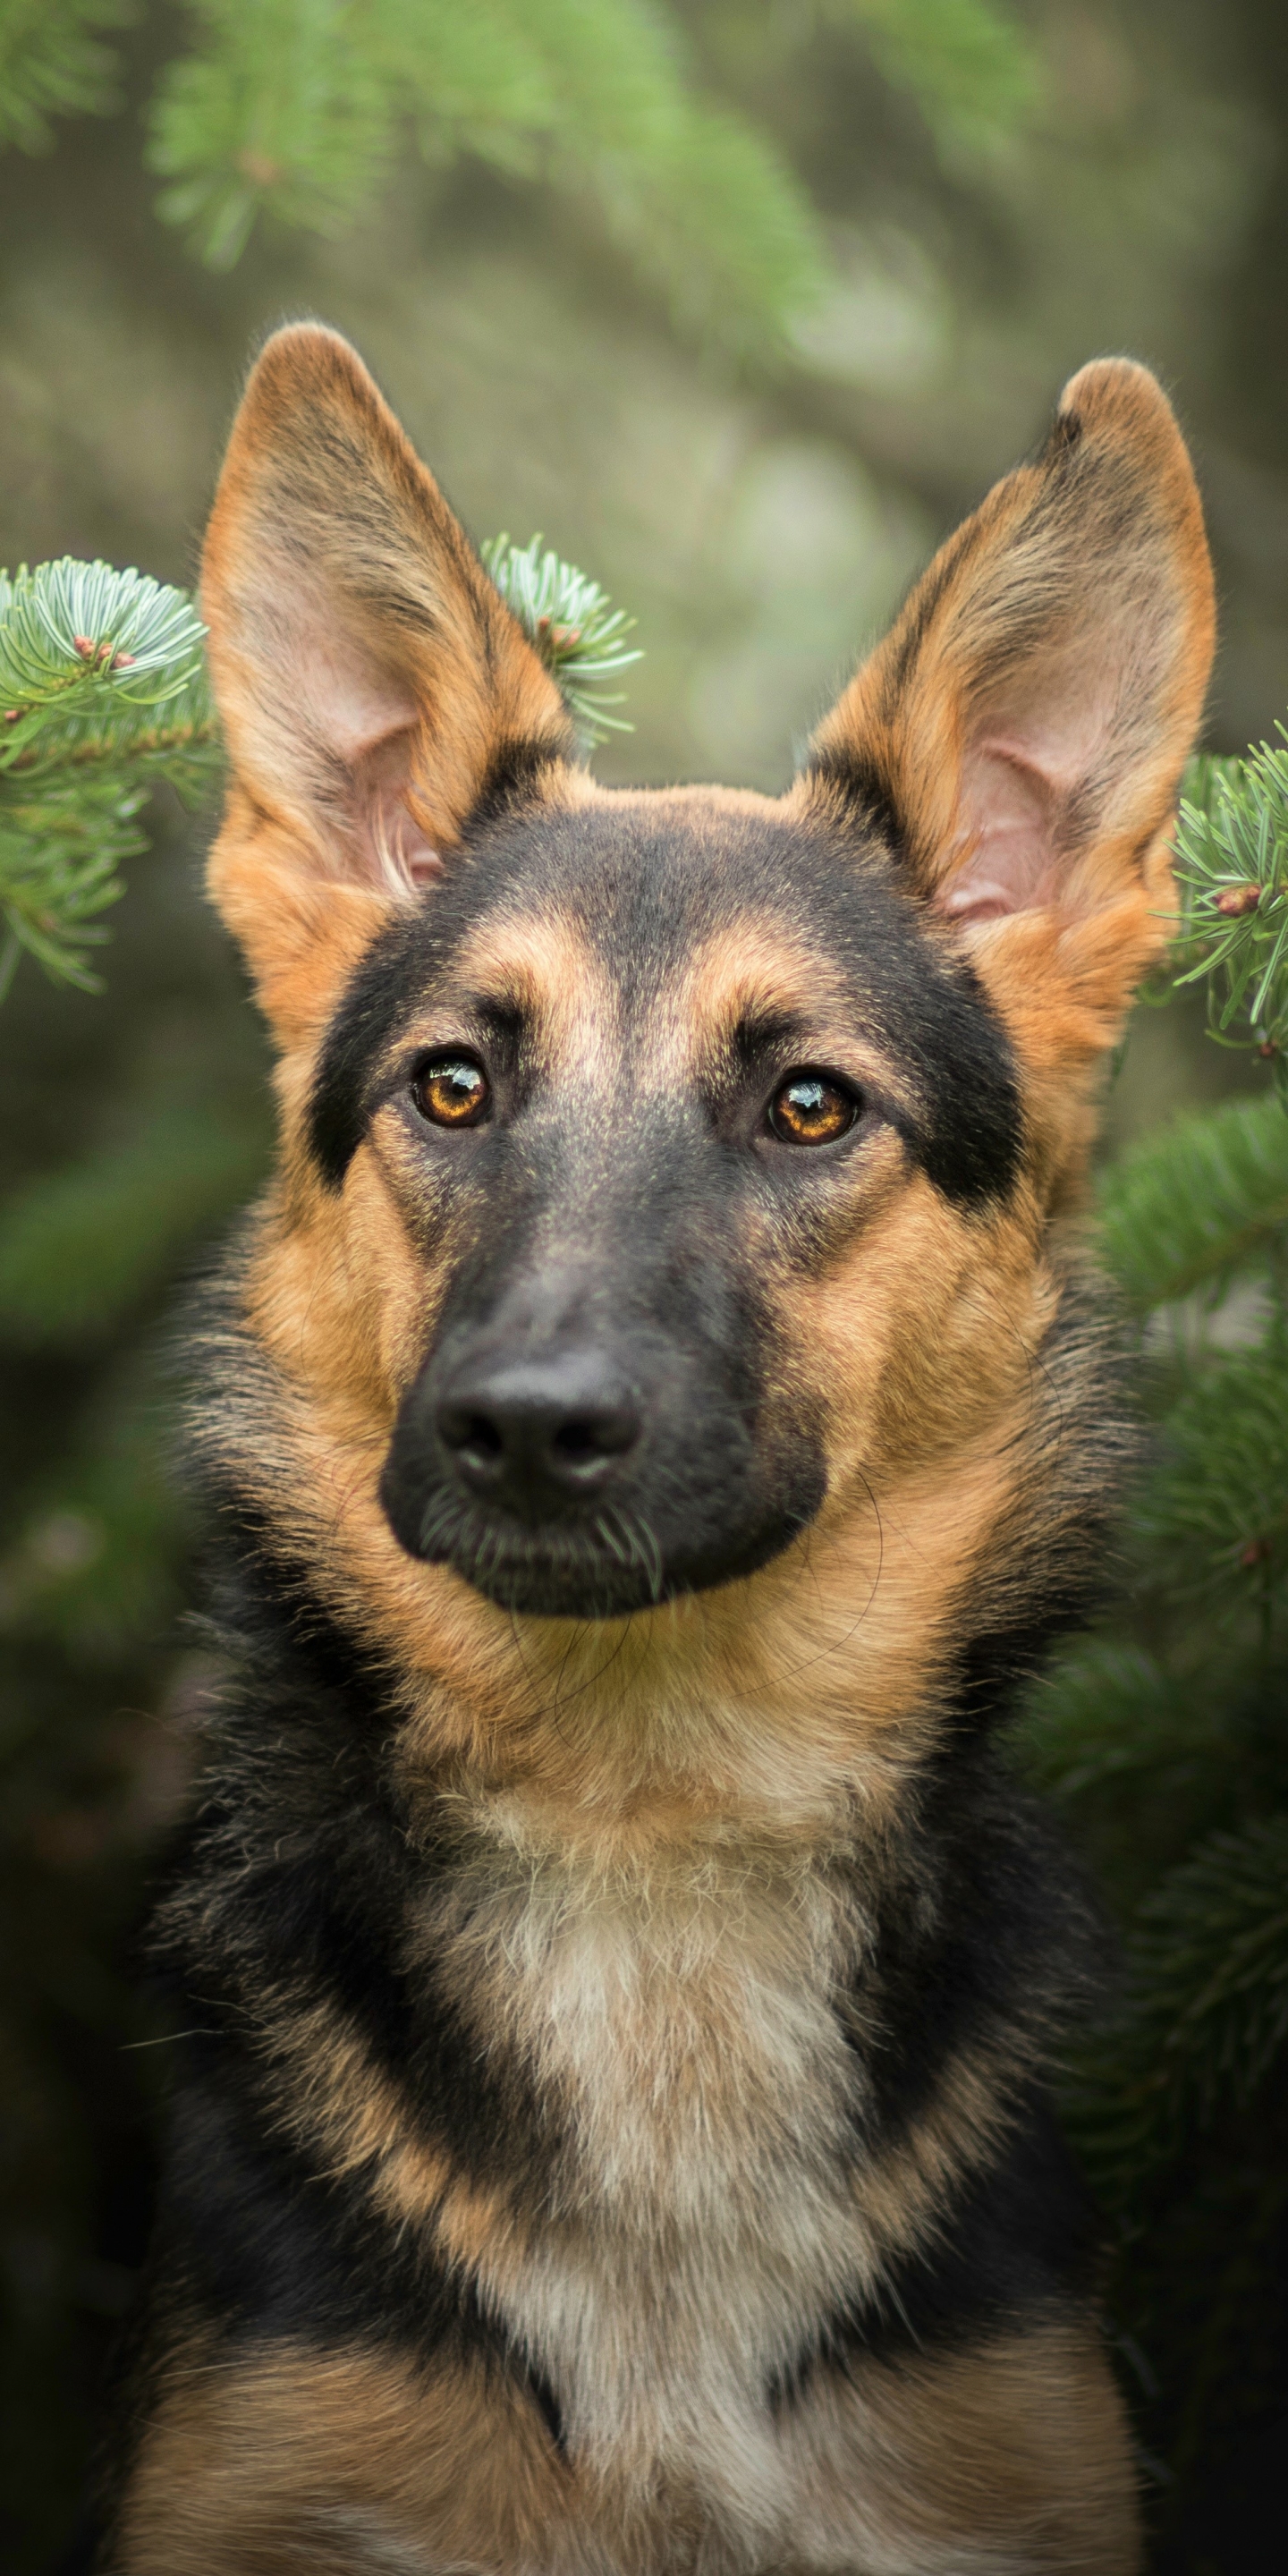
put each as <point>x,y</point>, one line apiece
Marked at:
<point>578,633</point>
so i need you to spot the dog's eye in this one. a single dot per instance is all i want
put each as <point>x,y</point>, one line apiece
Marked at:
<point>452,1091</point>
<point>810,1109</point>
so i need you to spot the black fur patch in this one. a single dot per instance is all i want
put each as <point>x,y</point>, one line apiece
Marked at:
<point>1018,2244</point>
<point>984,1937</point>
<point>322,1909</point>
<point>864,794</point>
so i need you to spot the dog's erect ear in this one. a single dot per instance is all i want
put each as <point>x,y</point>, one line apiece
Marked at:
<point>1023,727</point>
<point>370,680</point>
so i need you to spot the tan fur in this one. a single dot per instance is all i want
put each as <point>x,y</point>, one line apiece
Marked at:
<point>284,2464</point>
<point>1021,2447</point>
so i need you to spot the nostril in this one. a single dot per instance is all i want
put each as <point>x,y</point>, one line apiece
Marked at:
<point>576,1442</point>
<point>533,1436</point>
<point>585,1440</point>
<point>472,1435</point>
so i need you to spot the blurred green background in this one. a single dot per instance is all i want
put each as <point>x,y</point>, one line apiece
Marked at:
<point>759,499</point>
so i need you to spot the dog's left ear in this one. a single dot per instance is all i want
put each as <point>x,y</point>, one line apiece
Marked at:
<point>1021,732</point>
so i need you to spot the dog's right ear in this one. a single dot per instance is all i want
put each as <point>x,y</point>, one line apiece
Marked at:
<point>372,684</point>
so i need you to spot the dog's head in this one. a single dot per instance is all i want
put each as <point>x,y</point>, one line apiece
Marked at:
<point>664,1171</point>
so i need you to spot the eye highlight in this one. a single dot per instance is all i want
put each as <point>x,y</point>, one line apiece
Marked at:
<point>810,1109</point>
<point>452,1091</point>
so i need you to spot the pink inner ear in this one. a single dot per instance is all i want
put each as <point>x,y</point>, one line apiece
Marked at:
<point>394,847</point>
<point>1027,773</point>
<point>357,721</point>
<point>1009,817</point>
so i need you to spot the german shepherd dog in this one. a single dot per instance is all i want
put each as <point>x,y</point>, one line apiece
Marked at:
<point>652,1424</point>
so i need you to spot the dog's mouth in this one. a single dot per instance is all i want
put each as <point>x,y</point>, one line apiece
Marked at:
<point>604,1568</point>
<point>609,1562</point>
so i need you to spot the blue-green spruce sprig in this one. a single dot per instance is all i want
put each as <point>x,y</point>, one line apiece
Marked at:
<point>574,626</point>
<point>104,691</point>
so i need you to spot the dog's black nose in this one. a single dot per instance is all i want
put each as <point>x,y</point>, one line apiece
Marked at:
<point>538,1434</point>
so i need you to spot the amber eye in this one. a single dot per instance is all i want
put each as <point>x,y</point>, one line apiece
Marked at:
<point>810,1109</point>
<point>452,1090</point>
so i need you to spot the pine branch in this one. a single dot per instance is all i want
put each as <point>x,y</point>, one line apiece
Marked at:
<point>720,226</point>
<point>1215,1519</point>
<point>580,636</point>
<point>1183,1211</point>
<point>1107,1713</point>
<point>1231,865</point>
<point>969,67</point>
<point>59,861</point>
<point>1205,2015</point>
<point>292,108</point>
<point>88,654</point>
<point>102,692</point>
<point>283,108</point>
<point>50,65</point>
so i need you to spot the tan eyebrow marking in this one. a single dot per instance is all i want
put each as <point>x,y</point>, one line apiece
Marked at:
<point>756,970</point>
<point>544,966</point>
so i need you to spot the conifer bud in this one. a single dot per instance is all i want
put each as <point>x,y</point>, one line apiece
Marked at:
<point>1236,899</point>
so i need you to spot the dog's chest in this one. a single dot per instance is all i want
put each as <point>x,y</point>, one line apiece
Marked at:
<point>681,2022</point>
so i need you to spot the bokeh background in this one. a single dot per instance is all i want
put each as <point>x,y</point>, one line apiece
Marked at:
<point>760,509</point>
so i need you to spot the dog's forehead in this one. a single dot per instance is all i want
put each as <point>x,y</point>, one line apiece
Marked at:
<point>677,898</point>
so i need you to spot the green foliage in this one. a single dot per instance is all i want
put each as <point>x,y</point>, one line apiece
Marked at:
<point>580,636</point>
<point>1181,1213</point>
<point>295,110</point>
<point>52,65</point>
<point>102,693</point>
<point>966,63</point>
<point>60,850</point>
<point>1232,872</point>
<point>1215,1518</point>
<point>1205,2014</point>
<point>1112,1714</point>
<point>281,108</point>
